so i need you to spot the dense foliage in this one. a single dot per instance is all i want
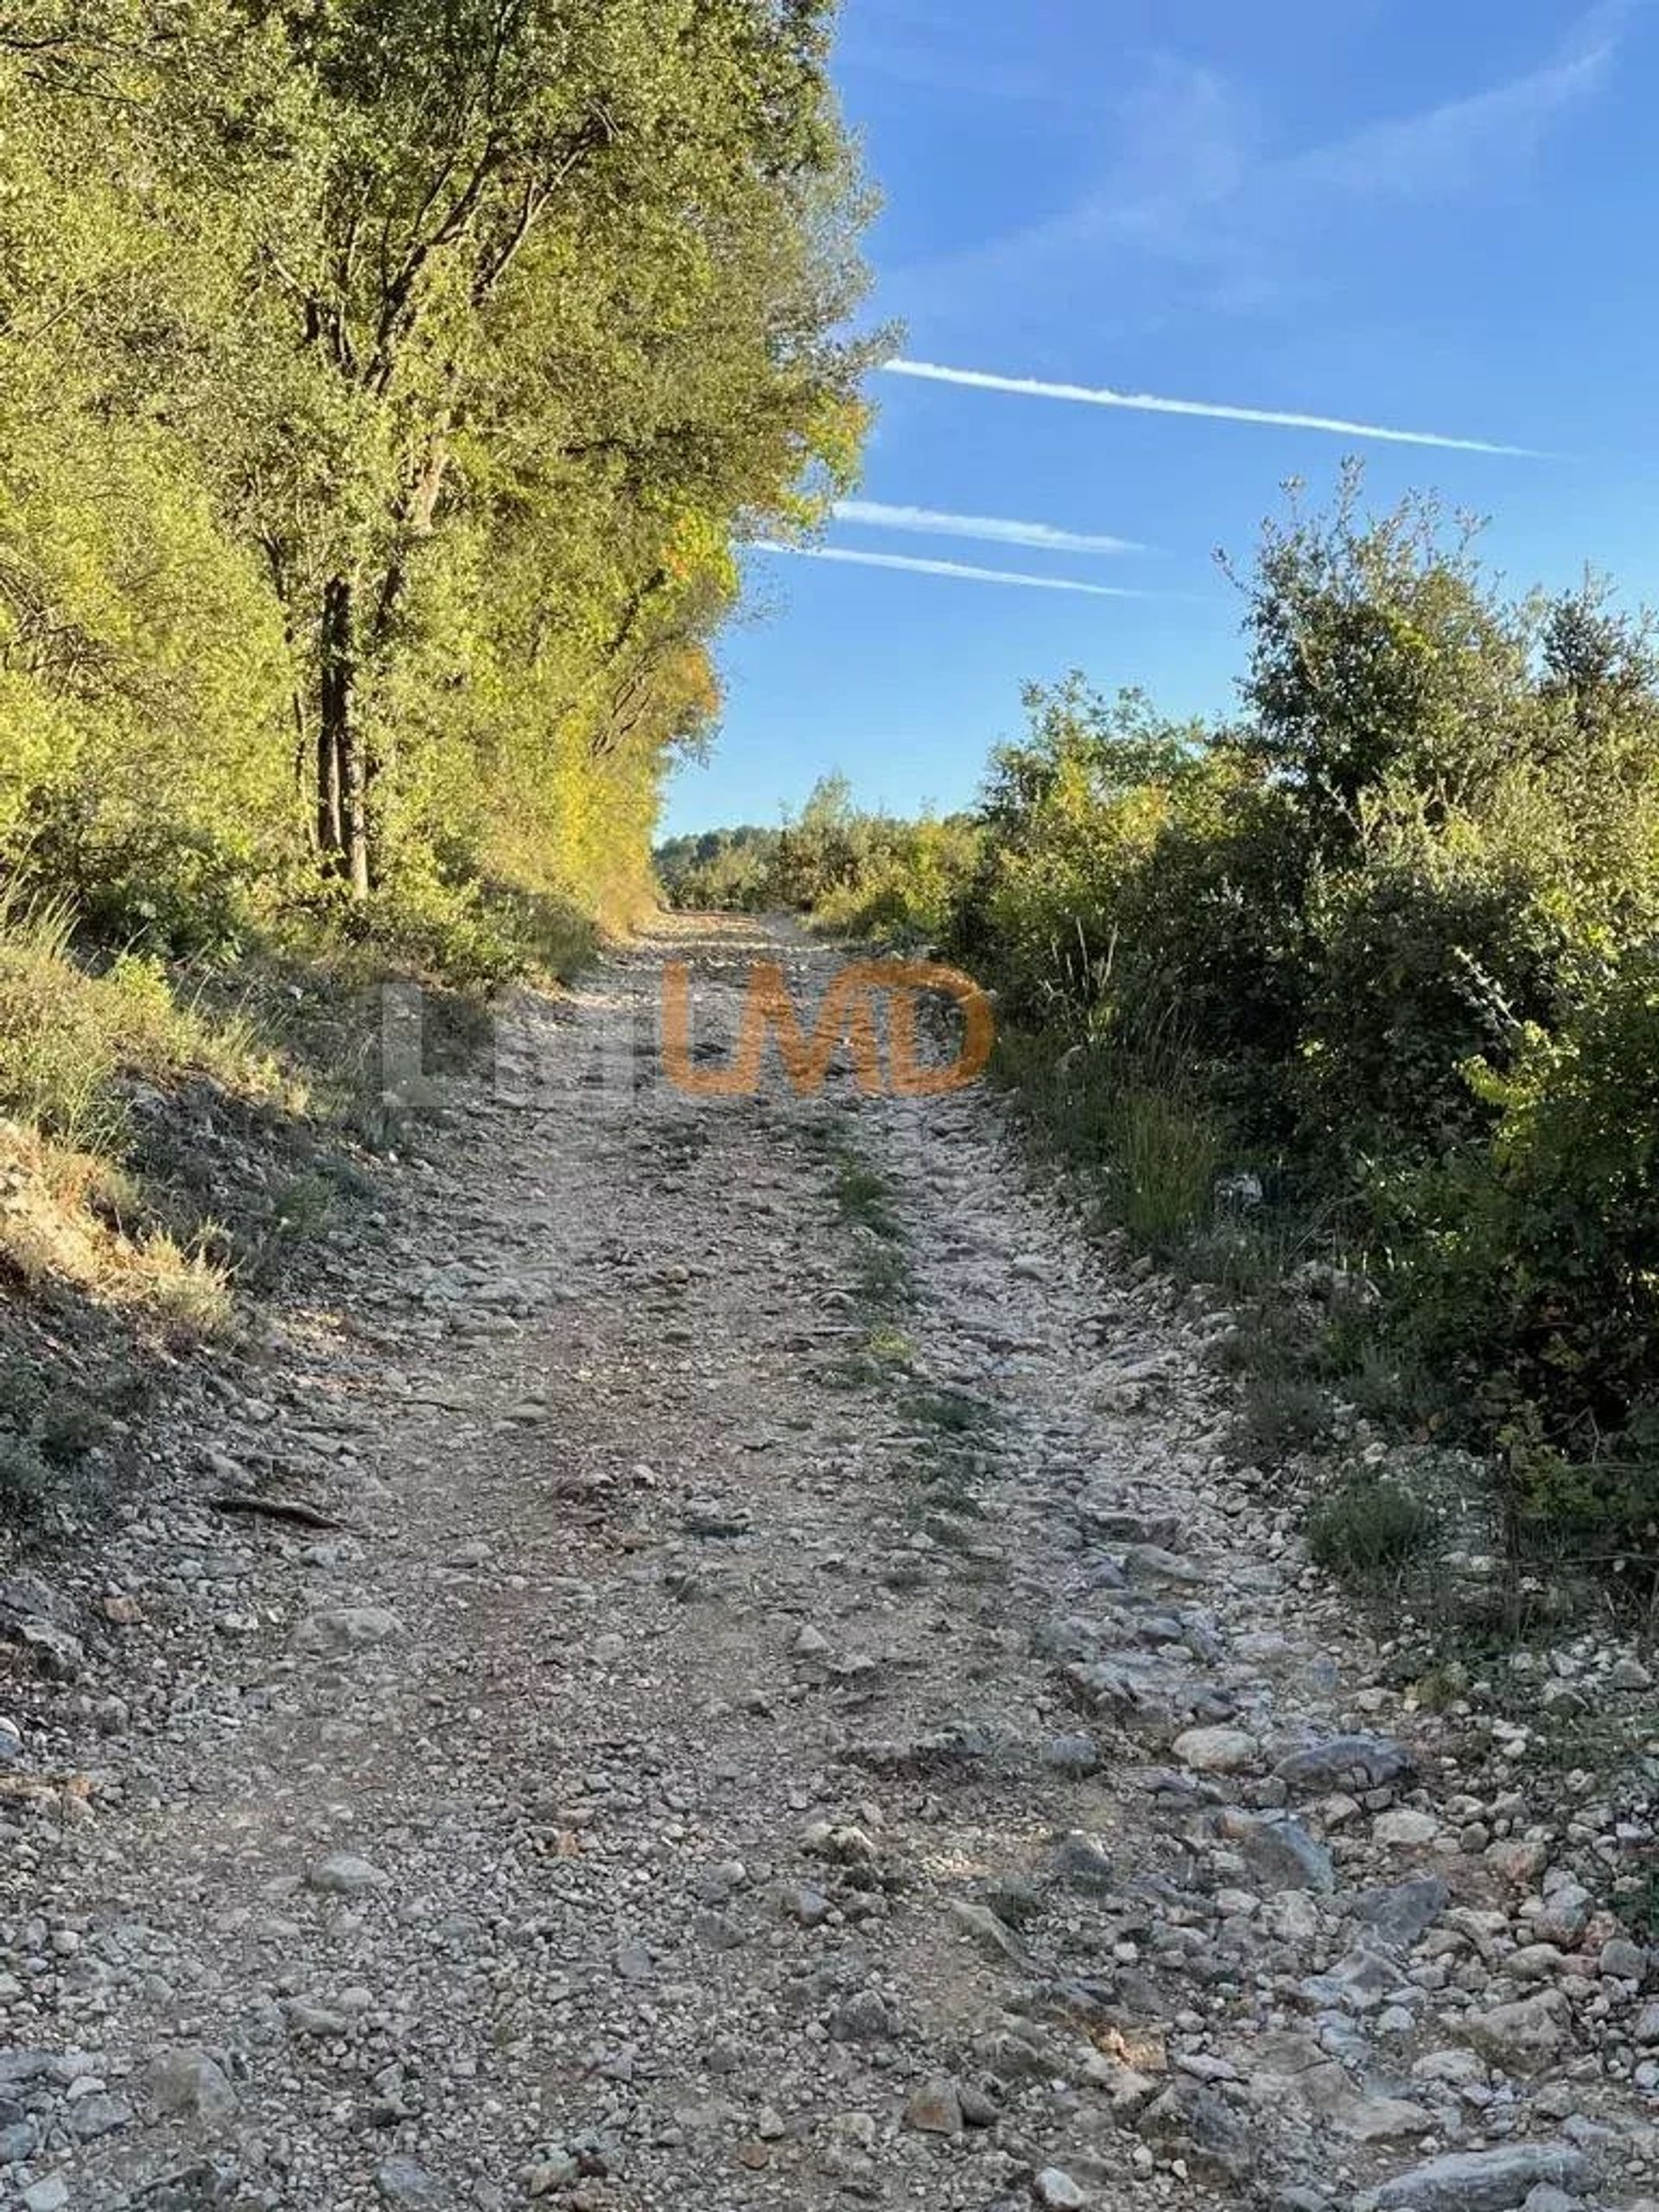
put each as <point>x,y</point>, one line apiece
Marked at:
<point>1382,955</point>
<point>871,874</point>
<point>383,383</point>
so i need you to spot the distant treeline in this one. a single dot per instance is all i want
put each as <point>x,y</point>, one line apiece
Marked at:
<point>870,873</point>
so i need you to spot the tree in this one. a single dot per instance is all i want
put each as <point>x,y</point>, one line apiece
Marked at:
<point>479,328</point>
<point>1380,653</point>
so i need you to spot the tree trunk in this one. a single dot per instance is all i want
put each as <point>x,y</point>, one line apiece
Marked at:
<point>354,775</point>
<point>342,783</point>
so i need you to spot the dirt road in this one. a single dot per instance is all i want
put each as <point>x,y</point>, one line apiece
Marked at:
<point>802,1710</point>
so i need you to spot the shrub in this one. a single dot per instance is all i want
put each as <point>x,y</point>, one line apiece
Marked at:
<point>1381,654</point>
<point>1531,1266</point>
<point>1599,1507</point>
<point>1386,948</point>
<point>1369,1528</point>
<point>26,1481</point>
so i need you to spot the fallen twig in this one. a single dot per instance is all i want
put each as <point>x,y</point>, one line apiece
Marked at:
<point>278,1508</point>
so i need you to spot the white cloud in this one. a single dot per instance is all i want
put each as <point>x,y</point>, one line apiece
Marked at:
<point>942,568</point>
<point>995,530</point>
<point>1196,184</point>
<point>1446,151</point>
<point>1151,403</point>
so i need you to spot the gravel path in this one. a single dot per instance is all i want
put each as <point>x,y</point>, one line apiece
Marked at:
<point>802,1710</point>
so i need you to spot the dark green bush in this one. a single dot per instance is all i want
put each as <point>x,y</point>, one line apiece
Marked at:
<point>1369,1528</point>
<point>1531,1265</point>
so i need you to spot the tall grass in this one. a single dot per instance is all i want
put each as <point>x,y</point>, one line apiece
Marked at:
<point>57,1057</point>
<point>69,1035</point>
<point>72,1042</point>
<point>1134,1121</point>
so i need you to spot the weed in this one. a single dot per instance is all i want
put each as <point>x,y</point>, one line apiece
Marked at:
<point>51,1424</point>
<point>881,1274</point>
<point>1137,1122</point>
<point>1280,1414</point>
<point>1369,1529</point>
<point>948,1519</point>
<point>1164,1163</point>
<point>955,1412</point>
<point>1640,1906</point>
<point>184,1291</point>
<point>26,1481</point>
<point>864,1200</point>
<point>1385,1384</point>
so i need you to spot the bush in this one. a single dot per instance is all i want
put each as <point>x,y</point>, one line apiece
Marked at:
<point>1531,1265</point>
<point>1386,948</point>
<point>1598,1507</point>
<point>862,875</point>
<point>1369,1528</point>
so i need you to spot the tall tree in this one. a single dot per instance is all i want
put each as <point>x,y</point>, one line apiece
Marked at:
<point>484,327</point>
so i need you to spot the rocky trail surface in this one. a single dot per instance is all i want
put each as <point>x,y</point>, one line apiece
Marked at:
<point>798,1709</point>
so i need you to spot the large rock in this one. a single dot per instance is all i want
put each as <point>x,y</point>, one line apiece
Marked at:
<point>192,2086</point>
<point>1402,1912</point>
<point>990,1933</point>
<point>1055,2187</point>
<point>934,2109</point>
<point>1077,1754</point>
<point>404,2183</point>
<point>344,1874</point>
<point>1340,1762</point>
<point>345,1628</point>
<point>1484,2181</point>
<point>1083,1862</point>
<point>27,1597</point>
<point>58,1656</point>
<point>98,2114</point>
<point>862,2017</point>
<point>958,1748</point>
<point>1564,1915</point>
<point>1405,1828</point>
<point>1281,1854</point>
<point>1192,2122</point>
<point>1216,1751</point>
<point>18,2067</point>
<point>1381,2120</point>
<point>1135,1690</point>
<point>1523,2037</point>
<point>1109,1520</point>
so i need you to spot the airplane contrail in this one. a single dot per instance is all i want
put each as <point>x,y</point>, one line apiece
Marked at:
<point>995,530</point>
<point>1151,404</point>
<point>942,568</point>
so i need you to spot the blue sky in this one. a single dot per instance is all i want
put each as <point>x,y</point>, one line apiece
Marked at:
<point>1433,218</point>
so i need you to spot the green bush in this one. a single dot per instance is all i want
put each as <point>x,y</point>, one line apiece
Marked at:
<point>1597,1506</point>
<point>1530,1266</point>
<point>1369,1528</point>
<point>1383,953</point>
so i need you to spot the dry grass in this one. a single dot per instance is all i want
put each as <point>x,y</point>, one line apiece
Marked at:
<point>70,1219</point>
<point>72,1043</point>
<point>68,1037</point>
